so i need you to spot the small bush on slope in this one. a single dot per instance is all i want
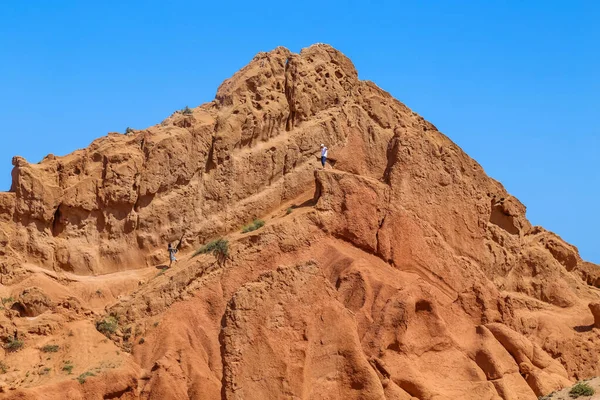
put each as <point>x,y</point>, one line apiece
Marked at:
<point>50,348</point>
<point>81,378</point>
<point>256,224</point>
<point>581,389</point>
<point>218,248</point>
<point>13,345</point>
<point>68,367</point>
<point>107,326</point>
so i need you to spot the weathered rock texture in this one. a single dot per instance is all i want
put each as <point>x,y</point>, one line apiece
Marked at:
<point>402,272</point>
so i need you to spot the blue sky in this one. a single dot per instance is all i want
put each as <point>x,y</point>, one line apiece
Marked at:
<point>516,84</point>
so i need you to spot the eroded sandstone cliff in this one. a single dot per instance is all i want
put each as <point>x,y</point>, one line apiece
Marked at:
<point>400,271</point>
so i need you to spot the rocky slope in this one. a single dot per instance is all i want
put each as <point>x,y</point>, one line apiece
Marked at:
<point>401,272</point>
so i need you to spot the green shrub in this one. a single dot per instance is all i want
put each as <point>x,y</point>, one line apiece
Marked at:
<point>108,325</point>
<point>3,367</point>
<point>7,300</point>
<point>128,130</point>
<point>68,367</point>
<point>81,378</point>
<point>187,111</point>
<point>142,340</point>
<point>256,224</point>
<point>45,371</point>
<point>50,348</point>
<point>13,345</point>
<point>218,248</point>
<point>581,389</point>
<point>289,210</point>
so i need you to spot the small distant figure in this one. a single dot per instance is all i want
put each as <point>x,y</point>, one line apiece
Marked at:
<point>172,251</point>
<point>323,155</point>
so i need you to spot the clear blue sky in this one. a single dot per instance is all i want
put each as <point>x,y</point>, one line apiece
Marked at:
<point>515,83</point>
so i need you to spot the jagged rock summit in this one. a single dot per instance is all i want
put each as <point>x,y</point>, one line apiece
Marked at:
<point>400,271</point>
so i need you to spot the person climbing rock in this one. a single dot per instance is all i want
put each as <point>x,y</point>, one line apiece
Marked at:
<point>172,251</point>
<point>323,155</point>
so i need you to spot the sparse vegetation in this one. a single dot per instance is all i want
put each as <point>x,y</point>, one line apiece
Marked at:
<point>581,389</point>
<point>289,211</point>
<point>50,348</point>
<point>3,367</point>
<point>128,130</point>
<point>68,367</point>
<point>142,340</point>
<point>187,111</point>
<point>99,293</point>
<point>6,300</point>
<point>45,371</point>
<point>71,333</point>
<point>81,378</point>
<point>162,271</point>
<point>218,248</point>
<point>256,224</point>
<point>13,345</point>
<point>155,324</point>
<point>108,325</point>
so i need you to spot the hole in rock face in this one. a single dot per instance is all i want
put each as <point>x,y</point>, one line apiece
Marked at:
<point>57,225</point>
<point>423,305</point>
<point>338,74</point>
<point>18,307</point>
<point>352,290</point>
<point>500,218</point>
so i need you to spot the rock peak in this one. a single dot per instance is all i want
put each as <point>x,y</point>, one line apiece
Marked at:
<point>398,271</point>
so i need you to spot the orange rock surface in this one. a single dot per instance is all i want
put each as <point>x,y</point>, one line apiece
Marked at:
<point>400,271</point>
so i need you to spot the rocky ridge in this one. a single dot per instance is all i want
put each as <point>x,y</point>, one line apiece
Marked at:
<point>402,272</point>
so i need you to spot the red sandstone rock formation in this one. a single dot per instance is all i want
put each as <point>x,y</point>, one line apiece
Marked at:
<point>403,272</point>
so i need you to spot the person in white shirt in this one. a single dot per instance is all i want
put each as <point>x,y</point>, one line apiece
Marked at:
<point>172,250</point>
<point>323,155</point>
